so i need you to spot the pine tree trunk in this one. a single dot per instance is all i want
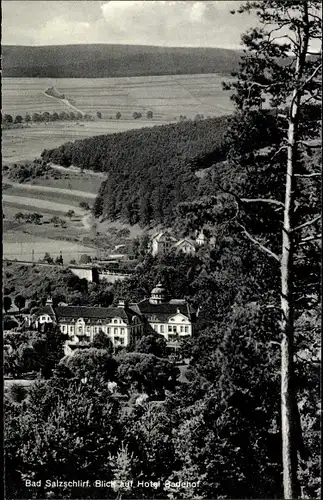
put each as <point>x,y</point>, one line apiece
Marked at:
<point>288,396</point>
<point>289,453</point>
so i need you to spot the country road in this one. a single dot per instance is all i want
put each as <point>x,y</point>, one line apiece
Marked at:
<point>66,102</point>
<point>36,187</point>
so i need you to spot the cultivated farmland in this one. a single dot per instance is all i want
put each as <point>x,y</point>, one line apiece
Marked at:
<point>168,97</point>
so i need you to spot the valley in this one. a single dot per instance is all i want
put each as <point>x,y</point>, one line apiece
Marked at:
<point>170,99</point>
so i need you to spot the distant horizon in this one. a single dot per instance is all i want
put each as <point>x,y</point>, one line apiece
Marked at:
<point>204,47</point>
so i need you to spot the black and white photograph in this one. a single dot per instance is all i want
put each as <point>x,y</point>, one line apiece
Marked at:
<point>161,249</point>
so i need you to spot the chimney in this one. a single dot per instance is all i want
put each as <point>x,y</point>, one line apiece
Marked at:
<point>123,303</point>
<point>49,301</point>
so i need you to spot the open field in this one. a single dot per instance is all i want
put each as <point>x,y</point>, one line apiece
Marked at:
<point>51,194</point>
<point>41,204</point>
<point>167,96</point>
<point>27,143</point>
<point>71,180</point>
<point>20,239</point>
<point>22,245</point>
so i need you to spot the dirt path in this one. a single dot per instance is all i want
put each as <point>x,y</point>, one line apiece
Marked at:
<point>36,187</point>
<point>65,101</point>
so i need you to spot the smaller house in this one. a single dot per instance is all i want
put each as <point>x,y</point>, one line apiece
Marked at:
<point>186,246</point>
<point>201,239</point>
<point>162,242</point>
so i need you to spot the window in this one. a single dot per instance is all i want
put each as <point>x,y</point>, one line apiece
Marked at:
<point>80,329</point>
<point>169,328</point>
<point>63,328</point>
<point>43,318</point>
<point>115,330</point>
<point>122,331</point>
<point>186,329</point>
<point>161,328</point>
<point>182,328</point>
<point>87,328</point>
<point>95,329</point>
<point>72,329</point>
<point>115,321</point>
<point>108,330</point>
<point>174,329</point>
<point>121,341</point>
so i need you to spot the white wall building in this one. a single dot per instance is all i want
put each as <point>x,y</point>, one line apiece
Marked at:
<point>80,324</point>
<point>172,318</point>
<point>162,243</point>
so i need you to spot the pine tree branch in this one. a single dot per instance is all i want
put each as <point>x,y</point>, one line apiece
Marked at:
<point>311,98</point>
<point>260,245</point>
<point>314,174</point>
<point>272,306</point>
<point>310,146</point>
<point>310,78</point>
<point>286,23</point>
<point>262,200</point>
<point>271,201</point>
<point>308,361</point>
<point>314,16</point>
<point>303,241</point>
<point>306,224</point>
<point>277,152</point>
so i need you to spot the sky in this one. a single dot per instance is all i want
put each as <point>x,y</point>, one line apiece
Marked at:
<point>166,23</point>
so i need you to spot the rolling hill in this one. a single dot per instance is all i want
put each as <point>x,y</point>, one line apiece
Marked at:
<point>106,60</point>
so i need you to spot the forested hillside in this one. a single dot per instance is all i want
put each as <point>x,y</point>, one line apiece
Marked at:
<point>152,170</point>
<point>107,60</point>
<point>148,171</point>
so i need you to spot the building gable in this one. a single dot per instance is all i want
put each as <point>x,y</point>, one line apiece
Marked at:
<point>178,318</point>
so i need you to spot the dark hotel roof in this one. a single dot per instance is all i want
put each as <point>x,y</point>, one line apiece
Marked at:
<point>75,312</point>
<point>164,310</point>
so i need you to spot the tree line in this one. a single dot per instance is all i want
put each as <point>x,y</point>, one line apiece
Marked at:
<point>45,116</point>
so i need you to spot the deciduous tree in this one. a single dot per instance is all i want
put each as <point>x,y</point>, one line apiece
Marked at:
<point>20,301</point>
<point>7,303</point>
